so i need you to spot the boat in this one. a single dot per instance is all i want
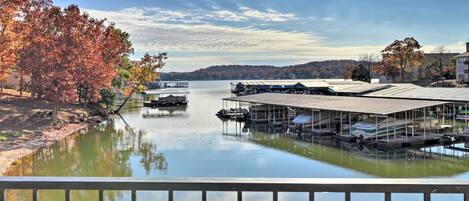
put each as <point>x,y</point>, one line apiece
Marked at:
<point>165,98</point>
<point>463,115</point>
<point>367,129</point>
<point>167,101</point>
<point>239,114</point>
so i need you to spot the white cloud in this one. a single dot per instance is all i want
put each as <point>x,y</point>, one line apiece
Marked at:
<point>196,43</point>
<point>215,14</point>
<point>153,31</point>
<point>227,15</point>
<point>268,15</point>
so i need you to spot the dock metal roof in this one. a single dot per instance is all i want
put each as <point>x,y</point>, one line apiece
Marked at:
<point>358,89</point>
<point>305,82</point>
<point>423,93</point>
<point>378,106</point>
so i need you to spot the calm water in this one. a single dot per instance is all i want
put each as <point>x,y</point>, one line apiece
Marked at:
<point>189,142</point>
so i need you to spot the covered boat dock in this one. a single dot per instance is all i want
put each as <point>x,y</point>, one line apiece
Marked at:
<point>394,122</point>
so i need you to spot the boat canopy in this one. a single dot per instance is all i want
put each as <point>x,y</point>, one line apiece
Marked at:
<point>377,106</point>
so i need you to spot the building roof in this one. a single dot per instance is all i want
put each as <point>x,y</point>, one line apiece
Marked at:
<point>423,93</point>
<point>379,106</point>
<point>465,54</point>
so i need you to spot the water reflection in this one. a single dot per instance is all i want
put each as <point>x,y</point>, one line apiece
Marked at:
<point>104,151</point>
<point>196,145</point>
<point>162,112</point>
<point>438,161</point>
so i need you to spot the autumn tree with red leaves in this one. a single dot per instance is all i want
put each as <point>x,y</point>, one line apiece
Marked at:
<point>69,55</point>
<point>10,37</point>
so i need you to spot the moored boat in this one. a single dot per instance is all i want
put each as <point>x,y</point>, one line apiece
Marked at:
<point>368,128</point>
<point>167,101</point>
<point>239,114</point>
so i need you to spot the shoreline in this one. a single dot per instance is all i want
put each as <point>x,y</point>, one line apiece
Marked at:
<point>24,146</point>
<point>26,125</point>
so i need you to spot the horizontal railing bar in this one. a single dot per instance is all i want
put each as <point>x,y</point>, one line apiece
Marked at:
<point>239,184</point>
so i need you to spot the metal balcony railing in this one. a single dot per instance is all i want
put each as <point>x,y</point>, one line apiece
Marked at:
<point>239,185</point>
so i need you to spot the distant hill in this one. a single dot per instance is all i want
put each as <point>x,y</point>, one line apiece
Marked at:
<point>310,70</point>
<point>315,69</point>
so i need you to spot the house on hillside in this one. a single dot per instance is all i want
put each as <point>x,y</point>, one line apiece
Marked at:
<point>462,65</point>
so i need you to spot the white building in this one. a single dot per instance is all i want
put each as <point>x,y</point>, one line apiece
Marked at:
<point>462,65</point>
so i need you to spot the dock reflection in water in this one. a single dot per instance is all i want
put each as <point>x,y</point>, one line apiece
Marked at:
<point>162,112</point>
<point>436,161</point>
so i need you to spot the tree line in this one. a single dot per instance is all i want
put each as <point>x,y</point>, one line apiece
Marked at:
<point>68,55</point>
<point>310,70</point>
<point>400,61</point>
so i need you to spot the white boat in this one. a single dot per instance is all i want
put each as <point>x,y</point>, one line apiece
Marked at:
<point>307,119</point>
<point>367,129</point>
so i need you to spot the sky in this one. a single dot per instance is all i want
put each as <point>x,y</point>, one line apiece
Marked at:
<point>201,33</point>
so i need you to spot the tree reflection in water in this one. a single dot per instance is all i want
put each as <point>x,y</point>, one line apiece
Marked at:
<point>104,151</point>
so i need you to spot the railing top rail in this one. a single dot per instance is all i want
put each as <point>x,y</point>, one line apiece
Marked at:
<point>239,184</point>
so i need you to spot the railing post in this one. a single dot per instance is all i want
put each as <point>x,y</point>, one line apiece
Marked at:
<point>466,196</point>
<point>134,195</point>
<point>204,195</point>
<point>275,196</point>
<point>2,195</point>
<point>170,195</point>
<point>101,195</point>
<point>34,194</point>
<point>240,195</point>
<point>427,196</point>
<point>67,195</point>
<point>387,196</point>
<point>311,196</point>
<point>347,196</point>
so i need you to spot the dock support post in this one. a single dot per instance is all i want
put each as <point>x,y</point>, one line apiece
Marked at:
<point>387,128</point>
<point>443,116</point>
<point>341,129</point>
<point>454,117</point>
<point>465,114</point>
<point>413,123</point>
<point>394,130</point>
<point>312,121</point>
<point>283,116</point>
<point>274,113</point>
<point>437,120</point>
<point>406,125</point>
<point>350,124</point>
<point>320,119</point>
<point>424,123</point>
<point>376,124</point>
<point>268,114</point>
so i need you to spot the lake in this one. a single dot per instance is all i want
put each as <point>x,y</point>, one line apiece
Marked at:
<point>190,142</point>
